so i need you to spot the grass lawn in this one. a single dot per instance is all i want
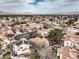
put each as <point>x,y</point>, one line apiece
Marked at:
<point>33,56</point>
<point>6,56</point>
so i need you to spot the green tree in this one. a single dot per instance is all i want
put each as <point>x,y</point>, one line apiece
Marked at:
<point>55,36</point>
<point>71,21</point>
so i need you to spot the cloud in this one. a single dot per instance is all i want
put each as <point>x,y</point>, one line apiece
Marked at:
<point>36,2</point>
<point>72,0</point>
<point>39,6</point>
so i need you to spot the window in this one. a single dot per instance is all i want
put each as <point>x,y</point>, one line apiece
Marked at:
<point>25,42</point>
<point>67,43</point>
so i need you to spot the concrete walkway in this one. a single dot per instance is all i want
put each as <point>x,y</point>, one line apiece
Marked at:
<point>19,57</point>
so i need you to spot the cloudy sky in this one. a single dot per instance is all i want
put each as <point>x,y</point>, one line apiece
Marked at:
<point>39,6</point>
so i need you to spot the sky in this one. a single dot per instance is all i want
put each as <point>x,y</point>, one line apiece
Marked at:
<point>39,6</point>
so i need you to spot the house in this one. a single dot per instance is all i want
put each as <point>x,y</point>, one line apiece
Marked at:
<point>66,53</point>
<point>9,33</point>
<point>68,42</point>
<point>3,30</point>
<point>4,42</point>
<point>76,24</point>
<point>71,39</point>
<point>21,48</point>
<point>43,32</point>
<point>4,39</point>
<point>40,42</point>
<point>75,40</point>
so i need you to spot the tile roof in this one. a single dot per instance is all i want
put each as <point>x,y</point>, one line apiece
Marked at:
<point>40,41</point>
<point>67,53</point>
